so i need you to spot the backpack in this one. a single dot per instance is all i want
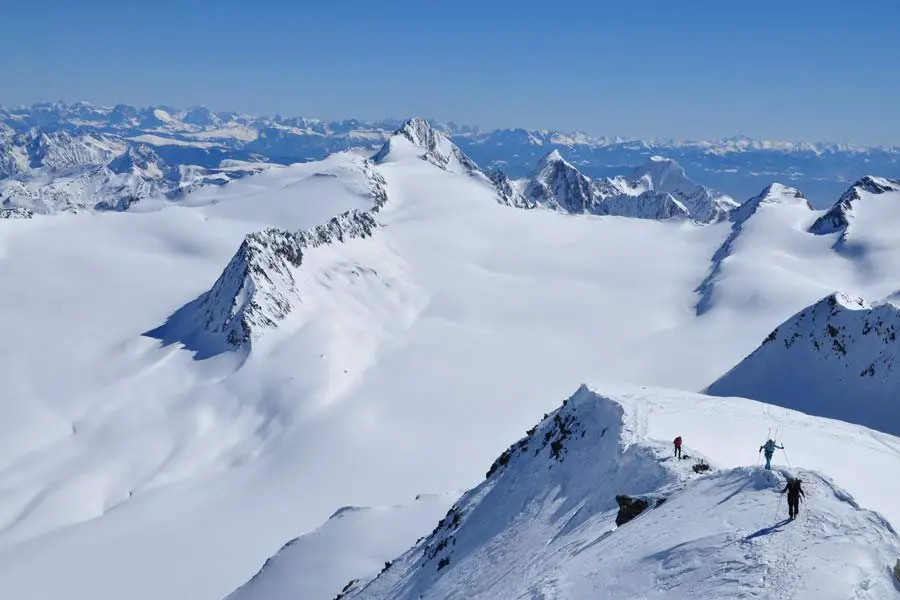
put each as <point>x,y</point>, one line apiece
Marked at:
<point>678,441</point>
<point>793,487</point>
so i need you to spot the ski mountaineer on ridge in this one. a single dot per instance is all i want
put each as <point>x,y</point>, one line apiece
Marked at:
<point>678,447</point>
<point>769,447</point>
<point>794,491</point>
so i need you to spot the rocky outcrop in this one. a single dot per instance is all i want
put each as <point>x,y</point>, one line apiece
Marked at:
<point>15,212</point>
<point>257,290</point>
<point>507,192</point>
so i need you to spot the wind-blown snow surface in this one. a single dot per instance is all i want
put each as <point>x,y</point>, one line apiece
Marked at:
<point>542,524</point>
<point>412,359</point>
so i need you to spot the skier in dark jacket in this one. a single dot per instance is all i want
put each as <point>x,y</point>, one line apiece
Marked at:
<point>769,447</point>
<point>678,447</point>
<point>794,491</point>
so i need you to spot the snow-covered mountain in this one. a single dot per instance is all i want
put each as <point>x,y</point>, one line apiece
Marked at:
<point>418,135</point>
<point>61,171</point>
<point>842,214</point>
<point>558,185</point>
<point>835,359</point>
<point>260,286</point>
<point>662,174</point>
<point>589,504</point>
<point>775,198</point>
<point>140,455</point>
<point>656,190</point>
<point>201,137</point>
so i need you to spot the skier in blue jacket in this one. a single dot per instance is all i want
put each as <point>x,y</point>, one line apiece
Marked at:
<point>769,448</point>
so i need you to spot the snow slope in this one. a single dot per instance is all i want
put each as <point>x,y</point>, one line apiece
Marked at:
<point>414,356</point>
<point>543,523</point>
<point>835,358</point>
<point>776,197</point>
<point>354,542</point>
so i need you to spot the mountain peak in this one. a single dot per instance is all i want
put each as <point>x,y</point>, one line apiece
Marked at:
<point>774,193</point>
<point>664,174</point>
<point>258,289</point>
<point>669,513</point>
<point>840,215</point>
<point>835,358</point>
<point>553,156</point>
<point>558,185</point>
<point>416,135</point>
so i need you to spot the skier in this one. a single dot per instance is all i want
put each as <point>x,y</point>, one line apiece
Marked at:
<point>794,491</point>
<point>769,447</point>
<point>678,447</point>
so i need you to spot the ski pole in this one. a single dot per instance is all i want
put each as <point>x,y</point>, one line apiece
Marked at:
<point>787,459</point>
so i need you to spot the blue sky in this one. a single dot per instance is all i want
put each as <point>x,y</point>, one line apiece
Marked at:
<point>825,71</point>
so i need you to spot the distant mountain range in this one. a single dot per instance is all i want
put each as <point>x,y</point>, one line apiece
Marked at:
<point>60,135</point>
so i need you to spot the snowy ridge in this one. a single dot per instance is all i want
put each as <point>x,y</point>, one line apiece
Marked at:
<point>257,290</point>
<point>439,150</point>
<point>544,524</point>
<point>657,190</point>
<point>837,358</point>
<point>774,194</point>
<point>841,214</point>
<point>551,473</point>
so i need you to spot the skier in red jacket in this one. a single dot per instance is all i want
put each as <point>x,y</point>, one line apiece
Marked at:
<point>678,447</point>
